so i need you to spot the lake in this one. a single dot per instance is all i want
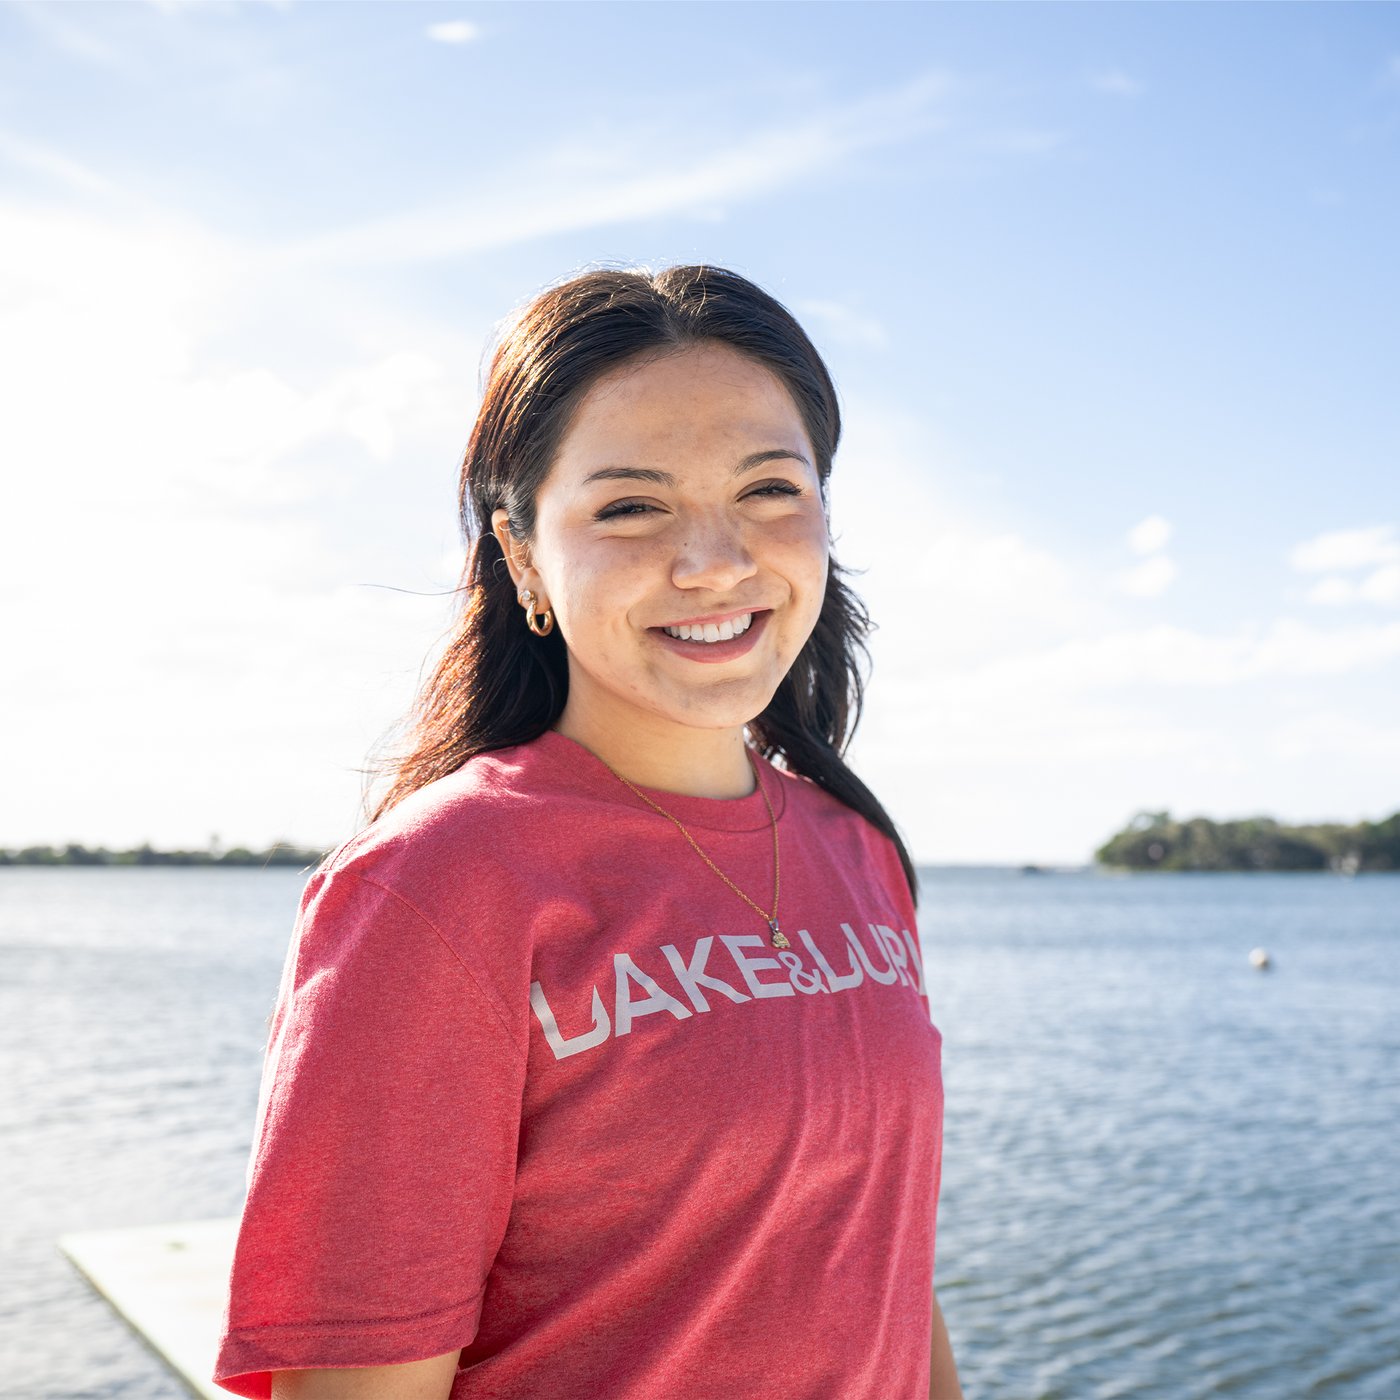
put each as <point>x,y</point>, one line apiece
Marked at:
<point>1166,1174</point>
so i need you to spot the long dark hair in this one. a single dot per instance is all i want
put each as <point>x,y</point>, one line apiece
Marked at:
<point>496,684</point>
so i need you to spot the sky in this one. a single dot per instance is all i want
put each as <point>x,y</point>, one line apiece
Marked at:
<point>1110,293</point>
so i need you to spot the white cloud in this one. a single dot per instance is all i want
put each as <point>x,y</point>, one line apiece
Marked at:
<point>1383,586</point>
<point>52,163</point>
<point>1155,574</point>
<point>1347,549</point>
<point>1150,535</point>
<point>1333,734</point>
<point>1035,754</point>
<point>946,588</point>
<point>1117,83</point>
<point>1352,550</point>
<point>1332,591</point>
<point>555,198</point>
<point>1177,656</point>
<point>1150,579</point>
<point>1016,712</point>
<point>453,31</point>
<point>1380,586</point>
<point>1019,757</point>
<point>178,555</point>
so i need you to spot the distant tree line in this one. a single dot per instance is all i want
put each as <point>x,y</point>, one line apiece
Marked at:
<point>281,853</point>
<point>1153,841</point>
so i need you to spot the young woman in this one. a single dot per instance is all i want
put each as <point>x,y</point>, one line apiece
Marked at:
<point>602,1068</point>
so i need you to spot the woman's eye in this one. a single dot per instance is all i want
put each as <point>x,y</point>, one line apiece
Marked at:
<point>776,488</point>
<point>620,508</point>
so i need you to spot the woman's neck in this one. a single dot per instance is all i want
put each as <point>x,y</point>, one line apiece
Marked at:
<point>658,753</point>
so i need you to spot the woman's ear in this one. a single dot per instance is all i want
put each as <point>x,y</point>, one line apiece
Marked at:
<point>517,555</point>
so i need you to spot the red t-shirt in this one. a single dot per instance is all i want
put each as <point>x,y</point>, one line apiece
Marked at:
<point>539,1087</point>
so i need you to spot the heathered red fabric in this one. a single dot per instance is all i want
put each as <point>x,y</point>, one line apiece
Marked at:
<point>538,1087</point>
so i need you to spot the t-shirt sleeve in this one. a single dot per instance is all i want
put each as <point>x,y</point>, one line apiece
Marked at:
<point>382,1175</point>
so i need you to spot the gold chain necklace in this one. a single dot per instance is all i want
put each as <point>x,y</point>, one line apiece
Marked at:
<point>778,938</point>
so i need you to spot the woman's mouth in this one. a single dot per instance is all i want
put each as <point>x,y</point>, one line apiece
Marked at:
<point>727,640</point>
<point>710,632</point>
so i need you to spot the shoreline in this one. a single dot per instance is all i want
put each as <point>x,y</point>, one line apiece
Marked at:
<point>280,853</point>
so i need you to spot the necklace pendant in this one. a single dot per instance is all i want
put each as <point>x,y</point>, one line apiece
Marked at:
<point>779,940</point>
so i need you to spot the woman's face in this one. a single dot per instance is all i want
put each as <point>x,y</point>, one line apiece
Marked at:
<point>681,539</point>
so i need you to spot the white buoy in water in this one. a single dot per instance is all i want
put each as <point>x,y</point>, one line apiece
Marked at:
<point>1259,959</point>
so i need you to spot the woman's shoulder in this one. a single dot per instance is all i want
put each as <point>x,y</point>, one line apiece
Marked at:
<point>490,808</point>
<point>843,833</point>
<point>807,802</point>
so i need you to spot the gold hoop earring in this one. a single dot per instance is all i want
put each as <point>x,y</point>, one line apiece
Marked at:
<point>546,623</point>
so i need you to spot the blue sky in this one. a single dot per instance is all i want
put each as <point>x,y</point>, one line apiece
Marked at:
<point>1110,293</point>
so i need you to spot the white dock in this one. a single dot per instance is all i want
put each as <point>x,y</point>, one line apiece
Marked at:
<point>167,1282</point>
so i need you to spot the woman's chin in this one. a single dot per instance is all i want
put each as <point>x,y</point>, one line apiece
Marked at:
<point>721,704</point>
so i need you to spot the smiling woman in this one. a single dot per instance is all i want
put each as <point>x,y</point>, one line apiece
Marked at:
<point>476,1173</point>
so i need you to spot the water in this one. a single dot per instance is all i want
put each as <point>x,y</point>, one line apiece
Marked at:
<point>1166,1175</point>
<point>133,1009</point>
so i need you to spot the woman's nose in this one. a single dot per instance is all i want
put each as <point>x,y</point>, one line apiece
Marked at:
<point>712,556</point>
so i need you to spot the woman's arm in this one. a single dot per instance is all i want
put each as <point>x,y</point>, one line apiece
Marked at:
<point>413,1380</point>
<point>942,1370</point>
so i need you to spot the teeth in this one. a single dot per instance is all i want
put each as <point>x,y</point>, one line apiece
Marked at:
<point>709,631</point>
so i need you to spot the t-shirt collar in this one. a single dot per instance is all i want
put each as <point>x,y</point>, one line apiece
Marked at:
<point>708,813</point>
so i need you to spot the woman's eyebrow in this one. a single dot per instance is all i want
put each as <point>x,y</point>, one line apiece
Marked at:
<point>772,454</point>
<point>631,474</point>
